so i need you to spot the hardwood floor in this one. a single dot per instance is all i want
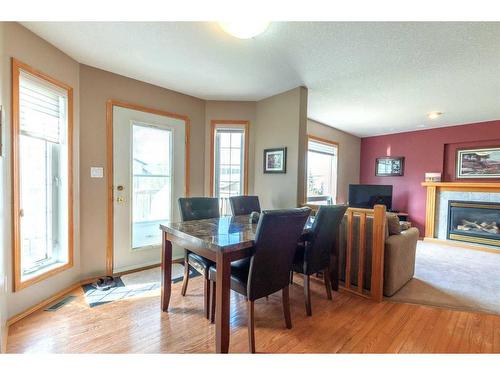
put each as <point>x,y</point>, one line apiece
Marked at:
<point>348,324</point>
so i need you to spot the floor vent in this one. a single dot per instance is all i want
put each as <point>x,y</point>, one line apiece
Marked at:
<point>61,303</point>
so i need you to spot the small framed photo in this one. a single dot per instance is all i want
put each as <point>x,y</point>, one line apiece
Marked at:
<point>388,166</point>
<point>275,160</point>
<point>478,163</point>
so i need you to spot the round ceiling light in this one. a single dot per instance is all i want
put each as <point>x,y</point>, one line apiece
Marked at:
<point>244,29</point>
<point>434,115</point>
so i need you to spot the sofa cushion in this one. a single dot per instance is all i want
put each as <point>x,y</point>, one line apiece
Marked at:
<point>404,225</point>
<point>393,224</point>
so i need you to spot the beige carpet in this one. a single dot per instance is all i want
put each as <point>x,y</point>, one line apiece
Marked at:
<point>454,277</point>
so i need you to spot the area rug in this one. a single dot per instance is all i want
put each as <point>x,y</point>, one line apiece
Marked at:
<point>134,284</point>
<point>454,277</point>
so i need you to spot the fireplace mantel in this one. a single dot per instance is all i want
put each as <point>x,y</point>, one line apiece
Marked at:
<point>433,188</point>
<point>464,186</point>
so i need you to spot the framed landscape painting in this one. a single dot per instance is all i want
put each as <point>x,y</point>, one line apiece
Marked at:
<point>478,163</point>
<point>389,166</point>
<point>275,160</point>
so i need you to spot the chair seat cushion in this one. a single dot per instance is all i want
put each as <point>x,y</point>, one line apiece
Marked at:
<point>199,263</point>
<point>239,275</point>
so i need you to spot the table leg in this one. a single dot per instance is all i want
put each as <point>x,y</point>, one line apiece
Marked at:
<point>222,301</point>
<point>166,272</point>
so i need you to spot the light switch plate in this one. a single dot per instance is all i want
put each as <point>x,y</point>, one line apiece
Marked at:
<point>96,172</point>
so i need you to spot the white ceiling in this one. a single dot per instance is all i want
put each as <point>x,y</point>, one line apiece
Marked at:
<point>363,78</point>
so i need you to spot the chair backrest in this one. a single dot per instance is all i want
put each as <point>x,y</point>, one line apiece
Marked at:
<point>325,230</point>
<point>244,204</point>
<point>276,237</point>
<point>198,208</point>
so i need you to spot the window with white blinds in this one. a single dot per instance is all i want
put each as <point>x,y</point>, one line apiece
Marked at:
<point>43,157</point>
<point>321,172</point>
<point>42,109</point>
<point>323,148</point>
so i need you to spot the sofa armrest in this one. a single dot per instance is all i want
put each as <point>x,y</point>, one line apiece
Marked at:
<point>399,260</point>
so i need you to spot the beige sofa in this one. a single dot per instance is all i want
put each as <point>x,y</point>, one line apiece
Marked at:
<point>399,256</point>
<point>399,260</point>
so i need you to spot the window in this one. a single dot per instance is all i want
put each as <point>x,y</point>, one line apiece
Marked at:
<point>41,155</point>
<point>151,183</point>
<point>321,171</point>
<point>229,161</point>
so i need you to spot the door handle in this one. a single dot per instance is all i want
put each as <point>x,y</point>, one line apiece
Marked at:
<point>120,199</point>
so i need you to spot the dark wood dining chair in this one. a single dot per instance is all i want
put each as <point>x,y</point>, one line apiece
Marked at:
<point>244,204</point>
<point>314,255</point>
<point>268,269</point>
<point>198,208</point>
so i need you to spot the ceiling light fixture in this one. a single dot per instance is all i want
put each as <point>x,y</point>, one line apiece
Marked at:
<point>434,115</point>
<point>244,29</point>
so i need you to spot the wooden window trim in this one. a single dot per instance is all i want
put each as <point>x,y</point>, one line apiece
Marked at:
<point>109,163</point>
<point>328,142</point>
<point>322,140</point>
<point>18,284</point>
<point>214,124</point>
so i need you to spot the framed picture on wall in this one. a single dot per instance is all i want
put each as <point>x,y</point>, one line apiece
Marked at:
<point>478,163</point>
<point>275,160</point>
<point>389,166</point>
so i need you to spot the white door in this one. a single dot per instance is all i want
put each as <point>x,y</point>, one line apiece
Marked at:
<point>148,179</point>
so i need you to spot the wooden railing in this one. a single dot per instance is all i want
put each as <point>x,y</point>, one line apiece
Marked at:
<point>375,292</point>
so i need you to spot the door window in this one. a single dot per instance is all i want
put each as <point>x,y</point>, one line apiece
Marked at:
<point>151,183</point>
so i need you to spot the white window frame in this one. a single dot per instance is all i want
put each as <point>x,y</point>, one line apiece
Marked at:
<point>229,125</point>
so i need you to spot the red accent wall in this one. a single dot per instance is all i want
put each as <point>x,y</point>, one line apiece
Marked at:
<point>430,150</point>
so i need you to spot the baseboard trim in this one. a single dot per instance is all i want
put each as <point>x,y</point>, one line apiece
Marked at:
<point>139,269</point>
<point>65,291</point>
<point>3,349</point>
<point>462,244</point>
<point>48,301</point>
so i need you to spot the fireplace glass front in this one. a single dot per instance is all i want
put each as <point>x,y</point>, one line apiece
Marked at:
<point>476,222</point>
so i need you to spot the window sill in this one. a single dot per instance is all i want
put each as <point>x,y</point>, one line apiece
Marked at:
<point>39,275</point>
<point>317,203</point>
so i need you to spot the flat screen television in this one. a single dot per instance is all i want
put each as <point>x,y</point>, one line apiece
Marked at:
<point>367,196</point>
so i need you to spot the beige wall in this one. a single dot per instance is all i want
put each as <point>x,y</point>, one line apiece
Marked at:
<point>22,44</point>
<point>281,122</point>
<point>97,86</point>
<point>349,153</point>
<point>274,122</point>
<point>230,110</point>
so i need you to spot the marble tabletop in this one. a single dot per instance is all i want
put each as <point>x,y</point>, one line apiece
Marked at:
<point>219,234</point>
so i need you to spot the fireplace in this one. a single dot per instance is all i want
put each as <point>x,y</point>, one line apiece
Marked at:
<point>476,222</point>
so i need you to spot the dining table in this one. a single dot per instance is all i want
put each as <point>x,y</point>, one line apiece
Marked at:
<point>222,240</point>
